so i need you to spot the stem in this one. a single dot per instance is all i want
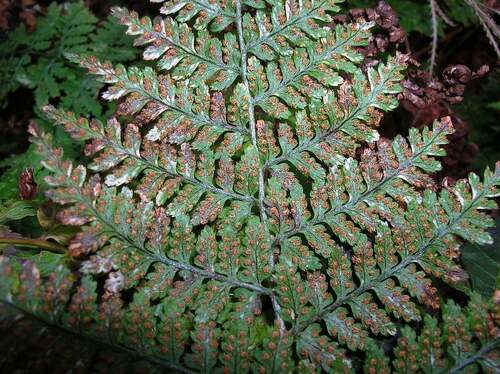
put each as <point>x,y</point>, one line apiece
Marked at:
<point>434,35</point>
<point>37,243</point>
<point>490,27</point>
<point>253,132</point>
<point>471,359</point>
<point>251,110</point>
<point>277,310</point>
<point>445,39</point>
<point>251,117</point>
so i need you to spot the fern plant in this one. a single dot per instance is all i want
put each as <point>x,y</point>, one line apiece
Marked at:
<point>37,60</point>
<point>432,17</point>
<point>241,213</point>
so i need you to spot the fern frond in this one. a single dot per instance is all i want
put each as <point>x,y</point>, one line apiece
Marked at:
<point>199,57</point>
<point>70,187</point>
<point>279,30</point>
<point>164,169</point>
<point>217,14</point>
<point>364,191</point>
<point>238,226</point>
<point>309,72</point>
<point>343,121</point>
<point>38,60</point>
<point>453,343</point>
<point>150,96</point>
<point>435,220</point>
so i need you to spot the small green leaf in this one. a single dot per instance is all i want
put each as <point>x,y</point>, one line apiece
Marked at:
<point>17,210</point>
<point>483,263</point>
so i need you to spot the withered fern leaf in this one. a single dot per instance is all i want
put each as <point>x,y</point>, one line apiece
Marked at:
<point>241,212</point>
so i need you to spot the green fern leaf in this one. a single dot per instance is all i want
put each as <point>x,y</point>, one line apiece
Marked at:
<point>38,60</point>
<point>451,344</point>
<point>262,223</point>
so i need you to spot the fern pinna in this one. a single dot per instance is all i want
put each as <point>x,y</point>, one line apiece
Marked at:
<point>241,213</point>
